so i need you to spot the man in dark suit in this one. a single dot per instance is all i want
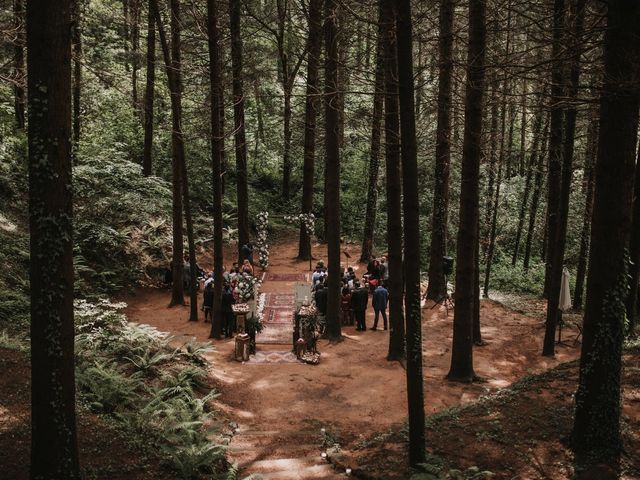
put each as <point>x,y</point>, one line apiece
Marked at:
<point>359,301</point>
<point>380,301</point>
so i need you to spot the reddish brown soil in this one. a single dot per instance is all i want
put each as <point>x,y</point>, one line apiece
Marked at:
<point>355,390</point>
<point>104,452</point>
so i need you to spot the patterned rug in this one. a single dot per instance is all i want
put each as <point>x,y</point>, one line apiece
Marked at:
<point>286,277</point>
<point>262,358</point>
<point>277,317</point>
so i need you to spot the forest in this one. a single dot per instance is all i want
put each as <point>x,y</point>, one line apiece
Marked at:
<point>319,239</point>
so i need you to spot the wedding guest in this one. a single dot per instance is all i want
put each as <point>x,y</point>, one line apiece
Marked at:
<point>345,306</point>
<point>380,301</point>
<point>227,311</point>
<point>207,302</point>
<point>247,267</point>
<point>359,301</point>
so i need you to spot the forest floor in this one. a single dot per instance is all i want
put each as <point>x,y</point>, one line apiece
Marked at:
<point>278,417</point>
<point>285,414</point>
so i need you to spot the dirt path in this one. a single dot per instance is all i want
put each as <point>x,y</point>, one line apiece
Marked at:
<point>280,409</point>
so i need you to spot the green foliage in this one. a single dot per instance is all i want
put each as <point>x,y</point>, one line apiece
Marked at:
<point>105,387</point>
<point>508,278</point>
<point>132,373</point>
<point>122,226</point>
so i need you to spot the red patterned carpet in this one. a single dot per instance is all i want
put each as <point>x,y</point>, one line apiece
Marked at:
<point>286,277</point>
<point>277,317</point>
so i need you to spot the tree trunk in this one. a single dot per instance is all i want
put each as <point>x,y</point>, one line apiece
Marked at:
<point>135,52</point>
<point>634,250</point>
<point>332,172</point>
<point>239,122</point>
<point>437,288</point>
<point>374,155</point>
<point>596,429</point>
<point>411,208</point>
<point>314,47</point>
<point>147,156</point>
<point>589,183</point>
<point>193,275</point>
<point>76,39</point>
<point>172,66</point>
<point>54,451</point>
<point>125,34</point>
<point>215,83</point>
<point>523,130</point>
<point>554,182</point>
<point>394,181</point>
<point>462,351</point>
<point>560,240</point>
<point>535,197</point>
<point>477,332</point>
<point>18,89</point>
<point>492,231</point>
<point>537,131</point>
<point>493,157</point>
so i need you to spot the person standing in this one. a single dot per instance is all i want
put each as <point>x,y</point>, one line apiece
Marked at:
<point>345,306</point>
<point>247,252</point>
<point>384,269</point>
<point>207,301</point>
<point>227,311</point>
<point>380,301</point>
<point>359,301</point>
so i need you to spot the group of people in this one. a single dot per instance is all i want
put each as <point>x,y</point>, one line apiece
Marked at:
<point>230,293</point>
<point>354,298</point>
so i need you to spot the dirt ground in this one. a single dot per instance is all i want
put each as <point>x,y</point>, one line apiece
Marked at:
<point>104,451</point>
<point>355,390</point>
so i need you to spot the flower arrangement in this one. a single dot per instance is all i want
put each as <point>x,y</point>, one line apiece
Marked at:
<point>262,226</point>
<point>248,286</point>
<point>308,220</point>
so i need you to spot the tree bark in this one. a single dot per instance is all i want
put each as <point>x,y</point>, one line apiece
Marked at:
<point>537,133</point>
<point>492,229</point>
<point>54,451</point>
<point>589,183</point>
<point>332,172</point>
<point>535,197</point>
<point>560,240</point>
<point>634,249</point>
<point>18,89</point>
<point>596,429</point>
<point>314,47</point>
<point>394,181</point>
<point>493,159</point>
<point>374,154</point>
<point>411,209</point>
<point>554,182</point>
<point>477,332</point>
<point>76,39</point>
<point>462,351</point>
<point>135,52</point>
<point>215,83</point>
<point>239,124</point>
<point>147,155</point>
<point>437,288</point>
<point>172,66</point>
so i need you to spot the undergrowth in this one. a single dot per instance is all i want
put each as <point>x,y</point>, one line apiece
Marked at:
<point>155,392</point>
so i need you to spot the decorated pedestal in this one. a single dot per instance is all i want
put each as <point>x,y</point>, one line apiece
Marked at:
<point>241,310</point>
<point>242,347</point>
<point>306,334</point>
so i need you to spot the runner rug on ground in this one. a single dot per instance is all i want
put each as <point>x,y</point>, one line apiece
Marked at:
<point>277,317</point>
<point>286,277</point>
